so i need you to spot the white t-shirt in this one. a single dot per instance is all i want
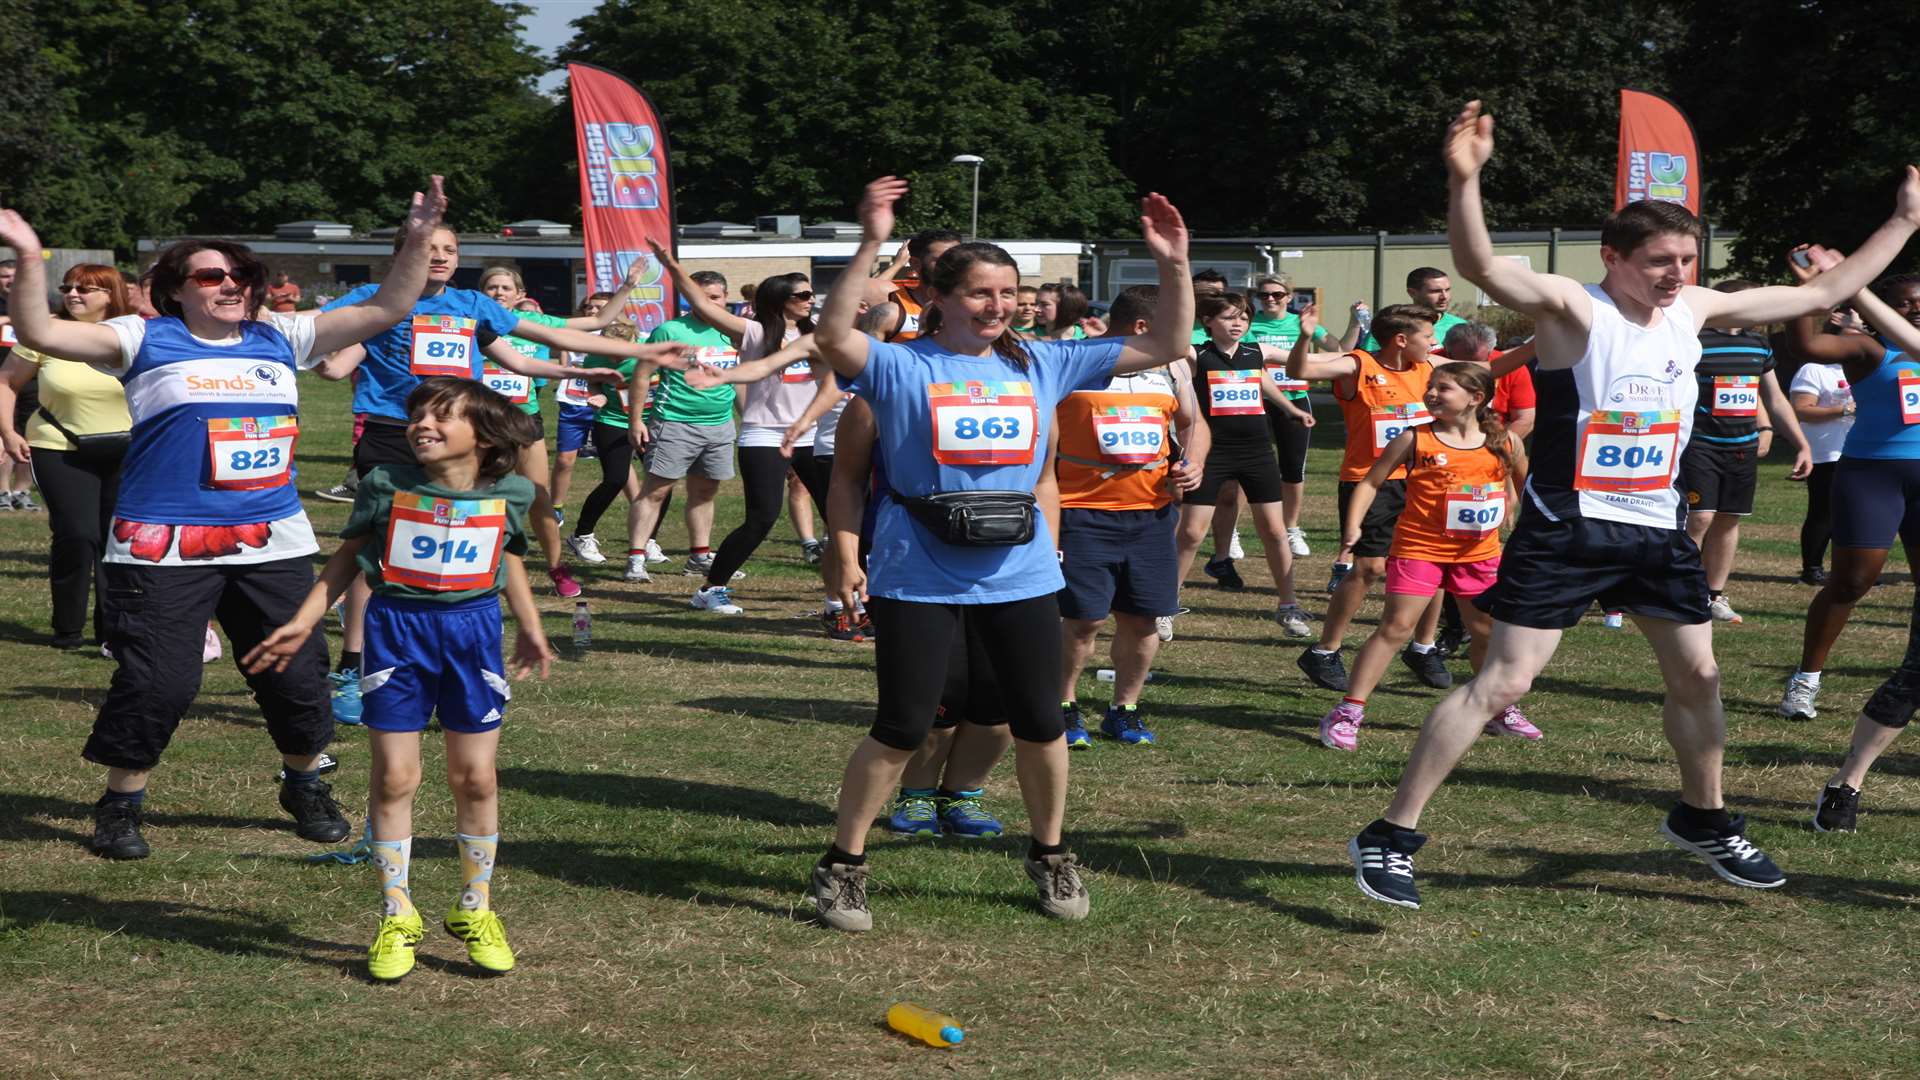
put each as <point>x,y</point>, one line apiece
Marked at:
<point>1829,386</point>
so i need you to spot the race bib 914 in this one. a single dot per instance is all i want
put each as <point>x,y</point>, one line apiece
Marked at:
<point>444,545</point>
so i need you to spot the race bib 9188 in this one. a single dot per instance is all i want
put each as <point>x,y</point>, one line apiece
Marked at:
<point>1130,434</point>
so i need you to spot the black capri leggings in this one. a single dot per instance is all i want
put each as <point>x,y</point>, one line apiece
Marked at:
<point>1817,529</point>
<point>1290,439</point>
<point>615,449</point>
<point>971,693</point>
<point>1020,639</point>
<point>763,475</point>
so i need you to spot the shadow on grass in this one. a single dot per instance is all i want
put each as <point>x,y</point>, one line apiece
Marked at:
<point>1553,869</point>
<point>19,809</point>
<point>665,793</point>
<point>222,930</point>
<point>783,710</point>
<point>699,881</point>
<point>679,649</point>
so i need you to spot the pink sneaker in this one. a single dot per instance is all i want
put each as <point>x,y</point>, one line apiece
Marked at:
<point>1340,729</point>
<point>210,651</point>
<point>1512,721</point>
<point>563,582</point>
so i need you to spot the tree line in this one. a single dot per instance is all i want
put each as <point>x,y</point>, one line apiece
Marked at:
<point>1265,117</point>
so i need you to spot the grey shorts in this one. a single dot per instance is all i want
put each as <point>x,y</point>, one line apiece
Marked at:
<point>677,449</point>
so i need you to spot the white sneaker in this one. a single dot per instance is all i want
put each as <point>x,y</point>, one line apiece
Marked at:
<point>1723,611</point>
<point>210,649</point>
<point>1797,702</point>
<point>1297,541</point>
<point>715,598</point>
<point>1293,621</point>
<point>654,554</point>
<point>637,570</point>
<point>586,548</point>
<point>1234,550</point>
<point>1163,625</point>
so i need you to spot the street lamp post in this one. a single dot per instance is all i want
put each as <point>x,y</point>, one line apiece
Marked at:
<point>976,161</point>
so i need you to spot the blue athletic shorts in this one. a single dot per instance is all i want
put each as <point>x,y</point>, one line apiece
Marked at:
<point>1551,572</point>
<point>1119,560</point>
<point>421,656</point>
<point>575,427</point>
<point>1875,499</point>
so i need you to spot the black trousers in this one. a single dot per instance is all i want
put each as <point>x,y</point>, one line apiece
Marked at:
<point>1817,530</point>
<point>80,496</point>
<point>1020,639</point>
<point>763,476</point>
<point>156,624</point>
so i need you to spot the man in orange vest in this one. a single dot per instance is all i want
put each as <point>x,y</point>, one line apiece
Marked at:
<point>913,292</point>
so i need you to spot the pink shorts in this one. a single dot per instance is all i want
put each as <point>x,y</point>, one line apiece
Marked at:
<point>1415,577</point>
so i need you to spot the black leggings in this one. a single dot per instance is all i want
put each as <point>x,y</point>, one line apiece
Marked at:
<point>1290,439</point>
<point>1020,639</point>
<point>763,475</point>
<point>1817,529</point>
<point>80,497</point>
<point>615,449</point>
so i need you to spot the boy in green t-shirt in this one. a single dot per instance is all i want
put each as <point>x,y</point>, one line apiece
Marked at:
<point>438,542</point>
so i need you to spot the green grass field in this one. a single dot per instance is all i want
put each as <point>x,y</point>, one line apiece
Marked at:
<point>664,795</point>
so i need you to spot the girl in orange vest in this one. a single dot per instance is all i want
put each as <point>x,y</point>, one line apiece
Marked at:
<point>1463,472</point>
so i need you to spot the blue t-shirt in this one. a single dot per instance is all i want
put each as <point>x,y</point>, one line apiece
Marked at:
<point>992,421</point>
<point>1880,431</point>
<point>387,376</point>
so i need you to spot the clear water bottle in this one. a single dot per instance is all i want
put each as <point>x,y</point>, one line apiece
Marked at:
<point>1363,317</point>
<point>582,627</point>
<point>932,1028</point>
<point>1107,674</point>
<point>1615,620</point>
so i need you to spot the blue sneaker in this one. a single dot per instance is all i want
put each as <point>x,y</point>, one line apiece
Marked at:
<point>914,813</point>
<point>1123,723</point>
<point>1077,737</point>
<point>346,696</point>
<point>962,815</point>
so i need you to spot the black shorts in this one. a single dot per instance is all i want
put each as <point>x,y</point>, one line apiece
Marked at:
<point>1719,479</point>
<point>1119,560</point>
<point>1376,531</point>
<point>1552,571</point>
<point>1251,464</point>
<point>382,444</point>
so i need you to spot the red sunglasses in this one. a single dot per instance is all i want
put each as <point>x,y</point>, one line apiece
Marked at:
<point>210,277</point>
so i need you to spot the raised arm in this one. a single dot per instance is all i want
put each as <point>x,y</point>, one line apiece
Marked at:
<point>703,308</point>
<point>398,291</point>
<point>1468,145</point>
<point>1165,232</point>
<point>1858,351</point>
<point>341,363</point>
<point>664,354</point>
<point>1512,360</point>
<point>1304,363</point>
<point>610,311</point>
<point>842,346</point>
<point>33,324</point>
<point>898,264</point>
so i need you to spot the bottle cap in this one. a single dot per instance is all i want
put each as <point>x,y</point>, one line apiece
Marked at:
<point>952,1034</point>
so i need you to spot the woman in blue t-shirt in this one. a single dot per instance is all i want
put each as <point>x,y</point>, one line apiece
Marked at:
<point>962,415</point>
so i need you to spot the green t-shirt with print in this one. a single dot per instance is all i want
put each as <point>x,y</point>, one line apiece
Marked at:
<point>534,351</point>
<point>427,542</point>
<point>1281,333</point>
<point>615,412</point>
<point>1448,320</point>
<point>679,403</point>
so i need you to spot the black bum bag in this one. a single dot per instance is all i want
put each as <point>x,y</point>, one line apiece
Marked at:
<point>974,518</point>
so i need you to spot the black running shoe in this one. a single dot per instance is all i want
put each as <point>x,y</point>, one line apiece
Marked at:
<point>1383,864</point>
<point>1326,670</point>
<point>116,830</point>
<point>316,816</point>
<point>1839,805</point>
<point>1429,667</point>
<point>1727,851</point>
<point>1815,576</point>
<point>1223,574</point>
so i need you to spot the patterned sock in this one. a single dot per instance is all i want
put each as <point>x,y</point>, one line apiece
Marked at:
<point>476,869</point>
<point>391,857</point>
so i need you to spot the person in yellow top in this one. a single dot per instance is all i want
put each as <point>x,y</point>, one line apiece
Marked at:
<point>74,442</point>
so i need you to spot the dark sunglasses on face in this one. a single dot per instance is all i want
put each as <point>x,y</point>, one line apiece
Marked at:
<point>1271,295</point>
<point>804,294</point>
<point>81,289</point>
<point>210,277</point>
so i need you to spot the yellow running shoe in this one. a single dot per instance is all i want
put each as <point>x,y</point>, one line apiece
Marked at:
<point>486,938</point>
<point>392,953</point>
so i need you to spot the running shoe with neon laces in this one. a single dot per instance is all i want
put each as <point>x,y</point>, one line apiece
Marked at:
<point>1122,723</point>
<point>963,815</point>
<point>1338,574</point>
<point>341,493</point>
<point>1224,574</point>
<point>210,649</point>
<point>1297,542</point>
<point>346,696</point>
<point>654,555</point>
<point>1512,721</point>
<point>1340,728</point>
<point>914,813</point>
<point>392,953</point>
<point>1383,863</point>
<point>1727,851</point>
<point>715,598</point>
<point>1837,810</point>
<point>1076,725</point>
<point>486,938</point>
<point>1062,894</point>
<point>564,584</point>
<point>586,548</point>
<point>1293,621</point>
<point>1234,550</point>
<point>1797,702</point>
<point>839,895</point>
<point>1163,627</point>
<point>1324,669</point>
<point>1722,611</point>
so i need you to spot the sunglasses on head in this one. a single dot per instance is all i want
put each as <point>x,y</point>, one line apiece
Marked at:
<point>1271,295</point>
<point>210,277</point>
<point>82,289</point>
<point>803,294</point>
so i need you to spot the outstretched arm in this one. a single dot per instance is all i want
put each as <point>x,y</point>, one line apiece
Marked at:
<point>704,309</point>
<point>611,310</point>
<point>706,376</point>
<point>519,363</point>
<point>33,324</point>
<point>398,291</point>
<point>1468,145</point>
<point>1304,363</point>
<point>1165,232</point>
<point>666,353</point>
<point>842,346</point>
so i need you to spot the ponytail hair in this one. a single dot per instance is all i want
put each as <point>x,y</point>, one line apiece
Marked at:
<point>946,278</point>
<point>1478,379</point>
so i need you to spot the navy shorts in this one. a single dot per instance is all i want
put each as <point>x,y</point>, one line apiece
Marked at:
<point>575,428</point>
<point>1874,500</point>
<point>1376,530</point>
<point>1552,571</point>
<point>1719,479</point>
<point>1119,560</point>
<point>422,656</point>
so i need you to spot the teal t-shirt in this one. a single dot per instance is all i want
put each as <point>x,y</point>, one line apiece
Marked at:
<point>1281,333</point>
<point>427,542</point>
<point>1448,320</point>
<point>534,351</point>
<point>679,403</point>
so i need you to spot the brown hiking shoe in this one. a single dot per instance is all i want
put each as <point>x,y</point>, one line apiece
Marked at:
<point>839,894</point>
<point>1062,895</point>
